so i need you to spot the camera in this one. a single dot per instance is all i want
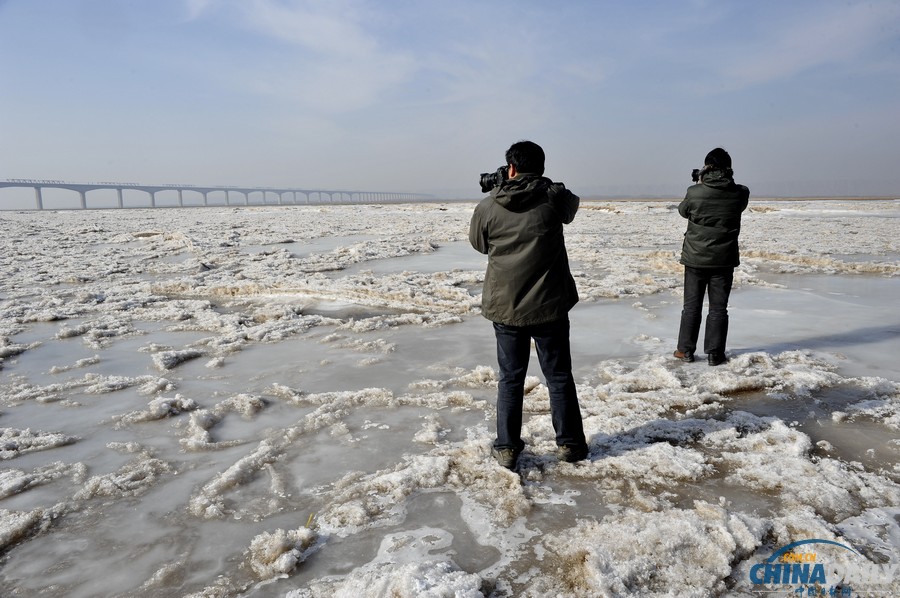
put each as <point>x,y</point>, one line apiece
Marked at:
<point>489,180</point>
<point>695,175</point>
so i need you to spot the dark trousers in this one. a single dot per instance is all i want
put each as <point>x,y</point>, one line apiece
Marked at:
<point>554,355</point>
<point>716,282</point>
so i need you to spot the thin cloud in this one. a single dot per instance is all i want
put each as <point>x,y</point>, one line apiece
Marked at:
<point>327,28</point>
<point>826,38</point>
<point>330,61</point>
<point>195,8</point>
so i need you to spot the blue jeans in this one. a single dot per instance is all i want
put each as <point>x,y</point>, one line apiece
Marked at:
<point>554,355</point>
<point>716,282</point>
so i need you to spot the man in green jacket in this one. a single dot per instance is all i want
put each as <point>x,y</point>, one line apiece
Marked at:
<point>713,209</point>
<point>528,292</point>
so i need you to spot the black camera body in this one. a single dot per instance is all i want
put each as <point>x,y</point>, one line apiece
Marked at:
<point>489,180</point>
<point>695,175</point>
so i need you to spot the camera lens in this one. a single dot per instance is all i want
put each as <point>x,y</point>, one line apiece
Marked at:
<point>489,180</point>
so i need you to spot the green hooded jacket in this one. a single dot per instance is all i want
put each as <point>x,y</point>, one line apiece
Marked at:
<point>520,228</point>
<point>713,209</point>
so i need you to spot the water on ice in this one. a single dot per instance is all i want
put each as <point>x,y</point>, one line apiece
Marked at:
<point>299,401</point>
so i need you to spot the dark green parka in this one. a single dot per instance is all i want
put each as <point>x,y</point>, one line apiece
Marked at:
<point>520,228</point>
<point>713,209</point>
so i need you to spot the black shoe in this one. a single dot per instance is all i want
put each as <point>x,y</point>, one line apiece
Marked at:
<point>506,457</point>
<point>686,356</point>
<point>571,453</point>
<point>716,358</point>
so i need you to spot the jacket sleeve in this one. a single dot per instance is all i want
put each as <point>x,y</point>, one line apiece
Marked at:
<point>477,234</point>
<point>684,208</point>
<point>564,202</point>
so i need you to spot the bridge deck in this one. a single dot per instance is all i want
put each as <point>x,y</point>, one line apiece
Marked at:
<point>283,195</point>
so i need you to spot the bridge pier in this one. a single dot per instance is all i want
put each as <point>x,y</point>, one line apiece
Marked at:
<point>38,198</point>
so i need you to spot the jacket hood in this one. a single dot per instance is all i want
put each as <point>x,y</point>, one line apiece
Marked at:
<point>518,193</point>
<point>717,177</point>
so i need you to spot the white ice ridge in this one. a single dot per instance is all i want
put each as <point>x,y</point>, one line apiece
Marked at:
<point>300,400</point>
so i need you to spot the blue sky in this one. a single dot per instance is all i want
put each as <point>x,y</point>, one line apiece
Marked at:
<point>403,95</point>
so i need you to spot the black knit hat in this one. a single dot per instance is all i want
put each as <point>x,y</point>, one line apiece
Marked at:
<point>718,158</point>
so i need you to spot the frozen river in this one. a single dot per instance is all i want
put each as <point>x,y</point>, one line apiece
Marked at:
<point>299,401</point>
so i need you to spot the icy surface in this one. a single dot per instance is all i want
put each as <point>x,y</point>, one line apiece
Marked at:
<point>298,401</point>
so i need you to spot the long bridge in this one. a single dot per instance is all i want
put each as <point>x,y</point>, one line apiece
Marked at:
<point>220,195</point>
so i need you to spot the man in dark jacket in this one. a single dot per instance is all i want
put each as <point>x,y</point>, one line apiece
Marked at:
<point>713,208</point>
<point>528,292</point>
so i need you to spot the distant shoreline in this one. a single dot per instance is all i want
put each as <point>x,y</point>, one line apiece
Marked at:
<point>752,198</point>
<point>595,198</point>
<point>588,199</point>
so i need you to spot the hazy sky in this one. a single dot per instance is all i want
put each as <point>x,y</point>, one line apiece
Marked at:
<point>406,95</point>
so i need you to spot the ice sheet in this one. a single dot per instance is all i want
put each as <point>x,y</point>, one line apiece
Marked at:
<point>299,401</point>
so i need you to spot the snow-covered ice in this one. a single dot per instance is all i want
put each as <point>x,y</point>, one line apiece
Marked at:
<point>299,400</point>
